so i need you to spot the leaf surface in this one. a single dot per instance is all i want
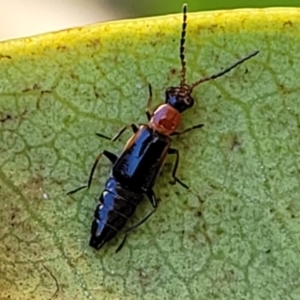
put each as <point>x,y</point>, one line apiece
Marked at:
<point>235,234</point>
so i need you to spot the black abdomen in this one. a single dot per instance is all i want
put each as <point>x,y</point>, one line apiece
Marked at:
<point>116,206</point>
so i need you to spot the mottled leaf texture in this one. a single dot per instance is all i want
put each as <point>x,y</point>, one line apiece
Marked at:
<point>235,234</point>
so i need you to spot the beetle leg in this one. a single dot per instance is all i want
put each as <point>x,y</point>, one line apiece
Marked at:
<point>187,130</point>
<point>148,113</point>
<point>122,130</point>
<point>122,243</point>
<point>134,227</point>
<point>153,200</point>
<point>112,157</point>
<point>175,179</point>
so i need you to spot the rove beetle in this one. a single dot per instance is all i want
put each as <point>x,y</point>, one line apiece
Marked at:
<point>135,171</point>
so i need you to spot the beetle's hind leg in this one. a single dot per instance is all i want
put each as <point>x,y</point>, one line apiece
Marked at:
<point>134,227</point>
<point>111,156</point>
<point>153,200</point>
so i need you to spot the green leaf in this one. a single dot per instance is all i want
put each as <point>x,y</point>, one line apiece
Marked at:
<point>234,235</point>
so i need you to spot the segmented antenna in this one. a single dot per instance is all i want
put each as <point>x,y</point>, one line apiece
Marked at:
<point>221,73</point>
<point>182,41</point>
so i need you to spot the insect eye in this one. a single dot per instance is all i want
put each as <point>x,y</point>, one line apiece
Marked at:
<point>189,101</point>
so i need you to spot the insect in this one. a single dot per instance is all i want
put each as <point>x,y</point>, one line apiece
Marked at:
<point>134,172</point>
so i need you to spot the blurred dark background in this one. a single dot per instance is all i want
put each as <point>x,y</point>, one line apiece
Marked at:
<point>134,8</point>
<point>24,18</point>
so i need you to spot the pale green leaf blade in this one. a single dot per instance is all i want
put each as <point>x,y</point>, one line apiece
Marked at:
<point>234,235</point>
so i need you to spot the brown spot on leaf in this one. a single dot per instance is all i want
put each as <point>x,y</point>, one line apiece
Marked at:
<point>212,27</point>
<point>173,71</point>
<point>284,90</point>
<point>61,48</point>
<point>34,87</point>
<point>5,117</point>
<point>199,213</point>
<point>288,23</point>
<point>33,188</point>
<point>94,43</point>
<point>193,237</point>
<point>15,215</point>
<point>5,56</point>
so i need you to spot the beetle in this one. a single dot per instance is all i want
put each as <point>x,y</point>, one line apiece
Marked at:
<point>134,172</point>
